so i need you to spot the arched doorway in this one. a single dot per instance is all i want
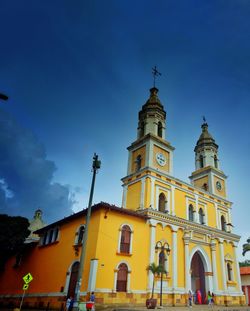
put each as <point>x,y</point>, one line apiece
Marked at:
<point>198,276</point>
<point>73,279</point>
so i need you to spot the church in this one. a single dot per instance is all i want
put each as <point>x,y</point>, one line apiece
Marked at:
<point>185,227</point>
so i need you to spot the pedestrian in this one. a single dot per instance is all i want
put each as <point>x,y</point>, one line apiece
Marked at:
<point>212,299</point>
<point>209,298</point>
<point>68,303</point>
<point>190,299</point>
<point>90,305</point>
<point>71,304</point>
<point>198,295</point>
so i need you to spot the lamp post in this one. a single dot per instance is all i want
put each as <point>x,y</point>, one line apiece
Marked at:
<point>95,166</point>
<point>164,253</point>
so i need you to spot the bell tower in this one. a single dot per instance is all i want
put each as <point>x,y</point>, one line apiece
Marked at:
<point>207,174</point>
<point>149,154</point>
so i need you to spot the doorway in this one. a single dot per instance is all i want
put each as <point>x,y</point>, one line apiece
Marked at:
<point>73,279</point>
<point>198,276</point>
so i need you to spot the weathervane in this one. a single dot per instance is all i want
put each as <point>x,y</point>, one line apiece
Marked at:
<point>155,73</point>
<point>204,119</point>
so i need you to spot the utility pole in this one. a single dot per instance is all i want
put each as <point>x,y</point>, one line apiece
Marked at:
<point>95,166</point>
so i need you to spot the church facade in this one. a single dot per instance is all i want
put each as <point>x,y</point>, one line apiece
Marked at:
<point>185,227</point>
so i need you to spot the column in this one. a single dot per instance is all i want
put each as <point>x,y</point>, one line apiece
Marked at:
<point>92,275</point>
<point>172,199</point>
<point>151,252</point>
<point>115,280</point>
<point>152,192</point>
<point>124,196</point>
<point>174,257</point>
<point>196,218</point>
<point>222,263</point>
<point>186,239</point>
<point>216,215</point>
<point>235,245</point>
<point>215,281</point>
<point>142,193</point>
<point>128,281</point>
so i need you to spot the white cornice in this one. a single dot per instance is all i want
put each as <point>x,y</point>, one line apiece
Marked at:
<point>199,190</point>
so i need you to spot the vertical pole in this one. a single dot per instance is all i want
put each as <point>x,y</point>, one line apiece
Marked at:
<point>96,165</point>
<point>22,300</point>
<point>161,291</point>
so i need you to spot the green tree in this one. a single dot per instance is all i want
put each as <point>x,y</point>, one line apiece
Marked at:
<point>246,247</point>
<point>13,232</point>
<point>156,270</point>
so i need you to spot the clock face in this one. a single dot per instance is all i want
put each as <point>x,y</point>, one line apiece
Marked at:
<point>218,185</point>
<point>161,159</point>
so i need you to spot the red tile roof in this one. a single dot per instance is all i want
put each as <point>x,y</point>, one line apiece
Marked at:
<point>244,270</point>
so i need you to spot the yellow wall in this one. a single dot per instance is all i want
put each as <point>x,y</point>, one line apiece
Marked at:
<point>180,200</point>
<point>222,192</point>
<point>165,153</point>
<point>140,151</point>
<point>181,259</point>
<point>108,251</point>
<point>134,195</point>
<point>201,181</point>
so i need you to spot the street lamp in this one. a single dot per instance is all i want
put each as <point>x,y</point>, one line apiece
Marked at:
<point>95,166</point>
<point>164,253</point>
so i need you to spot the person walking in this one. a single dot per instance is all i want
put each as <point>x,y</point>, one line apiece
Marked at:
<point>209,298</point>
<point>90,305</point>
<point>69,303</point>
<point>190,299</point>
<point>198,296</point>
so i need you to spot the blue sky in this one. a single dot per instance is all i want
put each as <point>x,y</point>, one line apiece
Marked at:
<point>78,72</point>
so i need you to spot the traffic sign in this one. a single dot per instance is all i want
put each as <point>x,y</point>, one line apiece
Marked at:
<point>28,278</point>
<point>25,286</point>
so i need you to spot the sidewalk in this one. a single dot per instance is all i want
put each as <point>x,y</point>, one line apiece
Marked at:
<point>193,308</point>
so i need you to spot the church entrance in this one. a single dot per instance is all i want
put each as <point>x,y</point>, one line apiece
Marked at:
<point>73,279</point>
<point>198,276</point>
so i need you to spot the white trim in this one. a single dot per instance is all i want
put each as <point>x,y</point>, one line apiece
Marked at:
<point>224,284</point>
<point>92,275</point>
<point>142,198</point>
<point>206,264</point>
<point>239,285</point>
<point>172,199</point>
<point>152,184</point>
<point>66,286</point>
<point>120,236</point>
<point>124,195</point>
<point>151,254</point>
<point>215,281</point>
<point>174,259</point>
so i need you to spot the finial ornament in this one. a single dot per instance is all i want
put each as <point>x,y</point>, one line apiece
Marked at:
<point>155,73</point>
<point>204,119</point>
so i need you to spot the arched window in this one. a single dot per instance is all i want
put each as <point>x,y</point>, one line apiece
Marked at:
<point>162,202</point>
<point>73,279</point>
<point>162,259</point>
<point>201,216</point>
<point>201,161</point>
<point>223,223</point>
<point>138,162</point>
<point>159,129</point>
<point>191,212</point>
<point>122,276</point>
<point>125,240</point>
<point>205,187</point>
<point>229,272</point>
<point>80,234</point>
<point>215,161</point>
